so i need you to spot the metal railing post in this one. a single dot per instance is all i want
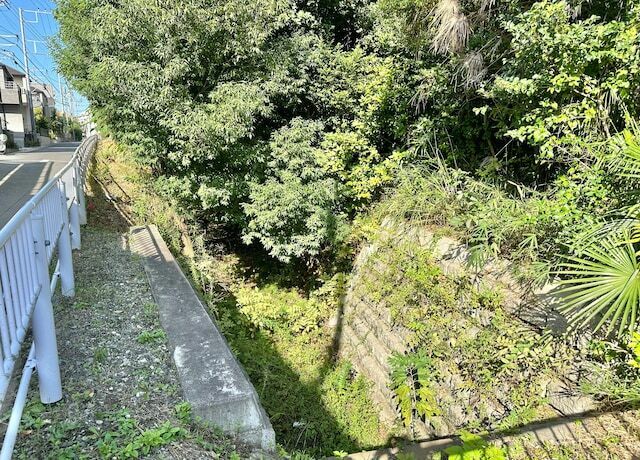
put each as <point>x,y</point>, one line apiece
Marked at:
<point>65,257</point>
<point>44,329</point>
<point>74,222</point>
<point>82,210</point>
<point>18,406</point>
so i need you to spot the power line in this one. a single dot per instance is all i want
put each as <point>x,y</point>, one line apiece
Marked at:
<point>40,19</point>
<point>28,24</point>
<point>48,26</point>
<point>60,88</point>
<point>3,28</point>
<point>31,61</point>
<point>20,65</point>
<point>26,60</point>
<point>34,32</point>
<point>12,11</point>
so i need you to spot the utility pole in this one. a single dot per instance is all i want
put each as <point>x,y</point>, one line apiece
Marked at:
<point>26,59</point>
<point>72,106</point>
<point>64,121</point>
<point>3,121</point>
<point>72,102</point>
<point>26,69</point>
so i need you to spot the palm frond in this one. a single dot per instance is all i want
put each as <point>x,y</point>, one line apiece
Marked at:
<point>473,69</point>
<point>603,286</point>
<point>624,224</point>
<point>628,165</point>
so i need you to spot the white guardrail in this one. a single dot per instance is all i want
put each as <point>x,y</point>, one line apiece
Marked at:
<point>46,226</point>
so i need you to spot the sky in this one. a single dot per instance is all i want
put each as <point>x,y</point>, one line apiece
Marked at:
<point>40,26</point>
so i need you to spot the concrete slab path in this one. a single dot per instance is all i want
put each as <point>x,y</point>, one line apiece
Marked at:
<point>23,173</point>
<point>213,381</point>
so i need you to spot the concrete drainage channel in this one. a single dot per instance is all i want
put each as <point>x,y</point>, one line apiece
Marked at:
<point>212,380</point>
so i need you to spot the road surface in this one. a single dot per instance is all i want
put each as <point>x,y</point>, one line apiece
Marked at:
<point>22,174</point>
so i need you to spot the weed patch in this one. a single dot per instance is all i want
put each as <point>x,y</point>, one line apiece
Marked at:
<point>154,336</point>
<point>316,405</point>
<point>470,363</point>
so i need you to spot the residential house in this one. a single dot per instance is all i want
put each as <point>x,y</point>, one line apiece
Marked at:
<point>14,114</point>
<point>43,96</point>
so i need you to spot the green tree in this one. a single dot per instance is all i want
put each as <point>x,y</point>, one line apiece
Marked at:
<point>299,210</point>
<point>220,98</point>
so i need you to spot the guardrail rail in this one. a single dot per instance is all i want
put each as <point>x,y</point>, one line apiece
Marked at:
<point>48,225</point>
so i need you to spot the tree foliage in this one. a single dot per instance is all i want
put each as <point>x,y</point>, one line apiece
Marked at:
<point>298,209</point>
<point>284,119</point>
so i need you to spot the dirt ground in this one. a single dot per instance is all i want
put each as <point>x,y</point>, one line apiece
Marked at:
<point>122,397</point>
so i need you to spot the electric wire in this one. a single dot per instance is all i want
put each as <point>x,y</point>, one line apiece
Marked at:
<point>35,64</point>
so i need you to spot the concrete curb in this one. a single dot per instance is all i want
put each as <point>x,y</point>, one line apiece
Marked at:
<point>213,382</point>
<point>553,431</point>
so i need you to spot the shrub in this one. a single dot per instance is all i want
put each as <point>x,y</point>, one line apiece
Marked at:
<point>615,370</point>
<point>521,224</point>
<point>270,308</point>
<point>298,210</point>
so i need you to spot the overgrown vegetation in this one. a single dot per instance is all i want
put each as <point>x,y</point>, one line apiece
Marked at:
<point>297,113</point>
<point>120,435</point>
<point>474,447</point>
<point>411,378</point>
<point>57,125</point>
<point>316,405</point>
<point>279,332</point>
<point>617,367</point>
<point>289,132</point>
<point>471,360</point>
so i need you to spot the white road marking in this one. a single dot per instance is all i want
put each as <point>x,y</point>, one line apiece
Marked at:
<point>8,176</point>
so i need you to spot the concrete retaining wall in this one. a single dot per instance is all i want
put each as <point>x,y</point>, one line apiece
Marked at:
<point>44,141</point>
<point>213,381</point>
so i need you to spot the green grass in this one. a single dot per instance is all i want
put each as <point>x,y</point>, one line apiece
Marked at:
<point>153,336</point>
<point>100,355</point>
<point>118,434</point>
<point>317,405</point>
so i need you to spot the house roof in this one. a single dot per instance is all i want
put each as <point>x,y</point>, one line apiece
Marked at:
<point>13,72</point>
<point>43,88</point>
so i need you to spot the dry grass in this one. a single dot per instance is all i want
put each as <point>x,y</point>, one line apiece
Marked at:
<point>451,28</point>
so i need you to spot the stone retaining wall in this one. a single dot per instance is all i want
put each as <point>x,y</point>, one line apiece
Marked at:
<point>369,338</point>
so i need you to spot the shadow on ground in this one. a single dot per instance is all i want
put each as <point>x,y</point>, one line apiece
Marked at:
<point>591,435</point>
<point>19,181</point>
<point>296,408</point>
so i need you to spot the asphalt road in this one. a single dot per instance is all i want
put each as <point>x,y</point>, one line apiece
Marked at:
<point>23,173</point>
